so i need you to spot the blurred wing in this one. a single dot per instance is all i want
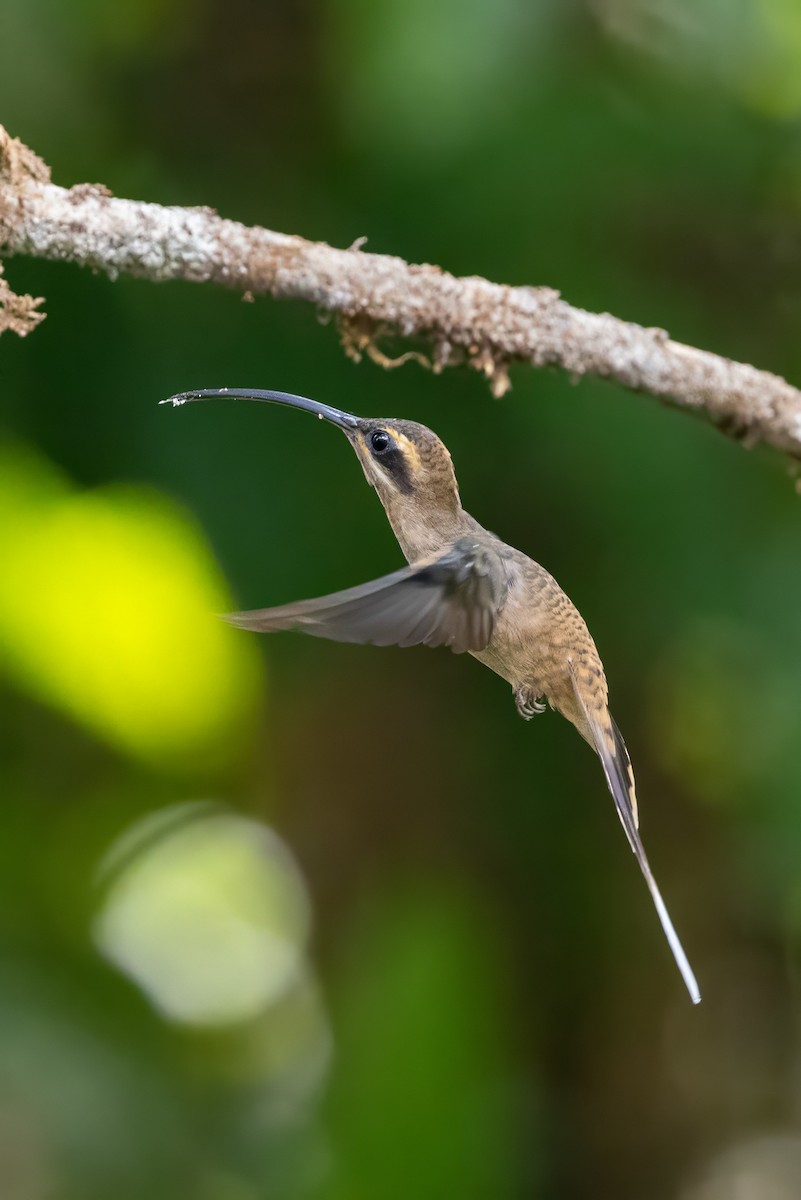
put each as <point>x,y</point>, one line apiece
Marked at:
<point>620,781</point>
<point>452,600</point>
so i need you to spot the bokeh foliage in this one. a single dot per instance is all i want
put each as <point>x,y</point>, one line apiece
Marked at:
<point>281,918</point>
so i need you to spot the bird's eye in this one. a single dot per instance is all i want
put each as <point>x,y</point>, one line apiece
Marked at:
<point>379,441</point>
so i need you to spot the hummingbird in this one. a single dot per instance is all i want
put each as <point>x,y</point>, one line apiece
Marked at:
<point>466,589</point>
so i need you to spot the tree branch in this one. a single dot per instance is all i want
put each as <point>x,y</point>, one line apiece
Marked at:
<point>461,320</point>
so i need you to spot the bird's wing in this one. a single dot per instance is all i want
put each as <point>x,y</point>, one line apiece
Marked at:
<point>451,600</point>
<point>620,780</point>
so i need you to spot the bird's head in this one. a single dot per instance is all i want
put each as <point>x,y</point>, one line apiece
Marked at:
<point>406,463</point>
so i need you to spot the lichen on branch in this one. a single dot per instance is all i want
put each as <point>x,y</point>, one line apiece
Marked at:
<point>18,314</point>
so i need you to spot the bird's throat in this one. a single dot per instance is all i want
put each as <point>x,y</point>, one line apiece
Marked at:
<point>422,531</point>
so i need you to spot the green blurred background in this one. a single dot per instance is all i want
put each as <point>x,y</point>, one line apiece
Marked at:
<point>287,919</point>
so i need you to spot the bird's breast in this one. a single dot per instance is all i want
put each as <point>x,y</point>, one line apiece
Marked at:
<point>537,633</point>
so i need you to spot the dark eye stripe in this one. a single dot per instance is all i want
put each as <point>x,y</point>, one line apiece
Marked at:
<point>394,463</point>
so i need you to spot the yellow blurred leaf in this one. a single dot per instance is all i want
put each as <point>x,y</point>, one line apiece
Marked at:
<point>107,603</point>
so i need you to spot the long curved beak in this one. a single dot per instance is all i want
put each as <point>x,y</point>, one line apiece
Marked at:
<point>324,411</point>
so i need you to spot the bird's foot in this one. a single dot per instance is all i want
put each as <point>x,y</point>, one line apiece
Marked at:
<point>528,705</point>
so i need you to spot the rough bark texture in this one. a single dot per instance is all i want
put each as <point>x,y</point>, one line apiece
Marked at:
<point>457,320</point>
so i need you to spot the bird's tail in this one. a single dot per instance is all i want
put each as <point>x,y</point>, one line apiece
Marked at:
<point>620,780</point>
